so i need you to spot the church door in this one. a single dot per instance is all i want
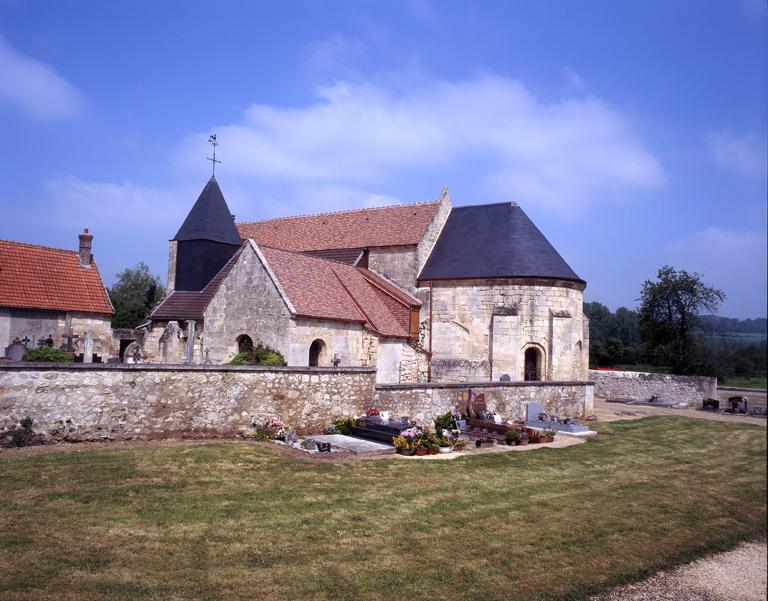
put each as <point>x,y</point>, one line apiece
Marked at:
<point>532,365</point>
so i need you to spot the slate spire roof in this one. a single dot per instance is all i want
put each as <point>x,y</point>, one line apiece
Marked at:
<point>493,241</point>
<point>210,218</point>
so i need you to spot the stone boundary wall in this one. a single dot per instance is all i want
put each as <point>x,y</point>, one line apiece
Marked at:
<point>425,401</point>
<point>630,385</point>
<point>79,402</point>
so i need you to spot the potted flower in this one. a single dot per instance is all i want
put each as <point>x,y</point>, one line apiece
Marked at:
<point>402,445</point>
<point>446,446</point>
<point>512,437</point>
<point>548,434</point>
<point>420,447</point>
<point>523,438</point>
<point>459,444</point>
<point>373,414</point>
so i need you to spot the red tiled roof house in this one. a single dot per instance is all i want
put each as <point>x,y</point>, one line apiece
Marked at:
<point>53,294</point>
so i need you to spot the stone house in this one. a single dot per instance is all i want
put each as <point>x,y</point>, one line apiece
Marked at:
<point>421,291</point>
<point>54,296</point>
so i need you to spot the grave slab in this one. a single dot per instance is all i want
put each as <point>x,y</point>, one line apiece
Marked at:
<point>355,445</point>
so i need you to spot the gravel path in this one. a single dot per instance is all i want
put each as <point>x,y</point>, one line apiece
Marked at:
<point>738,575</point>
<point>610,412</point>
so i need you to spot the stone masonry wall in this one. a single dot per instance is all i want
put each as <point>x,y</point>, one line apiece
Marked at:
<point>247,302</point>
<point>396,263</point>
<point>424,402</point>
<point>481,329</point>
<point>124,402</point>
<point>628,385</point>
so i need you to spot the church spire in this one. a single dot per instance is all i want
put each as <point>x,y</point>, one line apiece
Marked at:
<point>210,218</point>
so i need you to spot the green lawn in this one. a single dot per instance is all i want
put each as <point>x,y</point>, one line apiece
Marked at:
<point>758,382</point>
<point>243,521</point>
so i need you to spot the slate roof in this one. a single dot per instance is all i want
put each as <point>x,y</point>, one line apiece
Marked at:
<point>210,218</point>
<point>183,304</point>
<point>398,225</point>
<point>40,277</point>
<point>496,240</point>
<point>325,289</point>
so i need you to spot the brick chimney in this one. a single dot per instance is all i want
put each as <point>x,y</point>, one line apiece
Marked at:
<point>85,248</point>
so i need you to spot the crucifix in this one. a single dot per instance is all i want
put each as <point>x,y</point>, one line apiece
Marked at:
<point>214,143</point>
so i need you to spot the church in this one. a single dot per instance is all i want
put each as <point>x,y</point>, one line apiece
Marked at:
<point>421,292</point>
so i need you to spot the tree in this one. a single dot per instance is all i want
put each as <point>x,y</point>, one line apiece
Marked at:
<point>134,294</point>
<point>670,312</point>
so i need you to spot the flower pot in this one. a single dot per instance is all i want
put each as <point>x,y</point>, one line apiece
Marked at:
<point>445,449</point>
<point>420,452</point>
<point>407,452</point>
<point>524,441</point>
<point>432,452</point>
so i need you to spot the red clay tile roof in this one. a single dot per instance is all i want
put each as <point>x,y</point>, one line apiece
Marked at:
<point>183,304</point>
<point>40,277</point>
<point>398,225</point>
<point>329,290</point>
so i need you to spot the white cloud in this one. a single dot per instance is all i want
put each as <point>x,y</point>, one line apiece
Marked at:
<point>35,88</point>
<point>574,82</point>
<point>81,203</point>
<point>571,153</point>
<point>742,153</point>
<point>733,260</point>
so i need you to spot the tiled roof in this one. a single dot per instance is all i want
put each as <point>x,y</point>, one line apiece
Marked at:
<point>39,277</point>
<point>329,290</point>
<point>398,225</point>
<point>182,304</point>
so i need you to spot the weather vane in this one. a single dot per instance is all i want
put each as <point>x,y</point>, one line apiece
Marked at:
<point>214,143</point>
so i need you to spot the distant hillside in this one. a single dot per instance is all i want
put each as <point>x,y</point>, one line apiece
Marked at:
<point>734,331</point>
<point>732,325</point>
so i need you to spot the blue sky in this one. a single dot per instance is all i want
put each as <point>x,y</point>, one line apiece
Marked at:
<point>632,133</point>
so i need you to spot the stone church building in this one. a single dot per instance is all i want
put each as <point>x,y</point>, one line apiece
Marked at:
<point>422,292</point>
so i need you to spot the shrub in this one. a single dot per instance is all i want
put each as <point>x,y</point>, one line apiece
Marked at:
<point>47,354</point>
<point>511,436</point>
<point>260,355</point>
<point>342,425</point>
<point>445,422</point>
<point>22,436</point>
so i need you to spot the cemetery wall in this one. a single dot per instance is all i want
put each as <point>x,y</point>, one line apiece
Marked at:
<point>123,402</point>
<point>425,401</point>
<point>630,385</point>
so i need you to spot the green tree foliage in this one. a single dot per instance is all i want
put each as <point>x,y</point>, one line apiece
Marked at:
<point>613,337</point>
<point>670,314</point>
<point>134,294</point>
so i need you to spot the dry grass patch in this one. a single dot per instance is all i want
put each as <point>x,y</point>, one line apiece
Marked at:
<point>243,521</point>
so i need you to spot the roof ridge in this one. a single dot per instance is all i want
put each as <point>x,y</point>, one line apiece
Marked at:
<point>33,245</point>
<point>302,253</point>
<point>343,211</point>
<point>511,203</point>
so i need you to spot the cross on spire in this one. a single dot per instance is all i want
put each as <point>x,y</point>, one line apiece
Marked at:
<point>214,143</point>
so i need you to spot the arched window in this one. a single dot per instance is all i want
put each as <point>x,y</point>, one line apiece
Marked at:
<point>532,364</point>
<point>318,353</point>
<point>244,344</point>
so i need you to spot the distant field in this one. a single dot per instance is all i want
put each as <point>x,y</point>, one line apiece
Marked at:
<point>736,338</point>
<point>744,382</point>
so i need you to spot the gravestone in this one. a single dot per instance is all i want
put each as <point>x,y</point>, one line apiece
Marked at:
<point>15,351</point>
<point>88,348</point>
<point>532,411</point>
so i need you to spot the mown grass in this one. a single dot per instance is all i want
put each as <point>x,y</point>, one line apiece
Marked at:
<point>243,521</point>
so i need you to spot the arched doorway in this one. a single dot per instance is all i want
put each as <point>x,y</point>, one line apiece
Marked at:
<point>244,344</point>
<point>532,371</point>
<point>318,353</point>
